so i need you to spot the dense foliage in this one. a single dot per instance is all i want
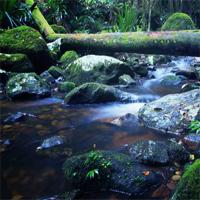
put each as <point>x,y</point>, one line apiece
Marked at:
<point>14,13</point>
<point>100,15</point>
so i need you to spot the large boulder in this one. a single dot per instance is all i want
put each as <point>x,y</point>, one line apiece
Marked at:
<point>96,93</point>
<point>101,69</point>
<point>27,85</point>
<point>157,152</point>
<point>15,63</point>
<point>171,113</point>
<point>178,21</point>
<point>26,40</point>
<point>98,170</point>
<point>188,187</point>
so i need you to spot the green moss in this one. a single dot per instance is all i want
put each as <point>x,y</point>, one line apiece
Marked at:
<point>178,21</point>
<point>66,86</point>
<point>188,187</point>
<point>26,40</point>
<point>56,72</point>
<point>68,57</point>
<point>15,63</point>
<point>58,29</point>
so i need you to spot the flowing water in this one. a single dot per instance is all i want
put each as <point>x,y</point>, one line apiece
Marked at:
<point>27,174</point>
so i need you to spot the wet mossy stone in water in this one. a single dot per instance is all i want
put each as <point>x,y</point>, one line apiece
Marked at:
<point>15,63</point>
<point>58,28</point>
<point>189,185</point>
<point>56,72</point>
<point>171,113</point>
<point>171,80</point>
<point>101,69</point>
<point>66,86</point>
<point>96,93</point>
<point>178,21</point>
<point>68,57</point>
<point>151,152</point>
<point>26,40</point>
<point>121,174</point>
<point>27,85</point>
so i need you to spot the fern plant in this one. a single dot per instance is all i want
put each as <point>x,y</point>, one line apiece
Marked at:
<point>126,19</point>
<point>14,13</point>
<point>96,164</point>
<point>194,126</point>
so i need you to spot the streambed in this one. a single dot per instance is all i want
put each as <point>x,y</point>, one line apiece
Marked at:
<point>28,174</point>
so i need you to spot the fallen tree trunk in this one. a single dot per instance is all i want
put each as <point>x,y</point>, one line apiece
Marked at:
<point>184,43</point>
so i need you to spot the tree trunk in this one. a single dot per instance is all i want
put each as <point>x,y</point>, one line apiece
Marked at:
<point>185,43</point>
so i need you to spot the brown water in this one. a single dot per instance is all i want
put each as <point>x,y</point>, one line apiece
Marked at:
<point>27,174</point>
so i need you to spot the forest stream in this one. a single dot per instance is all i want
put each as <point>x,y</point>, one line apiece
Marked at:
<point>29,172</point>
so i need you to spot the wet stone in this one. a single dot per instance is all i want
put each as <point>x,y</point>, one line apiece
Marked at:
<point>126,120</point>
<point>4,144</point>
<point>19,116</point>
<point>157,152</point>
<point>54,146</point>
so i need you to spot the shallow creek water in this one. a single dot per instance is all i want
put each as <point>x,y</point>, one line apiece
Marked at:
<point>26,174</point>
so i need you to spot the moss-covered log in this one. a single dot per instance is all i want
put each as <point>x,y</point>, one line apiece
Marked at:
<point>167,42</point>
<point>185,43</point>
<point>39,19</point>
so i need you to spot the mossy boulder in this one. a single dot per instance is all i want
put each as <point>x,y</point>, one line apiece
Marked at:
<point>27,85</point>
<point>108,170</point>
<point>66,86</point>
<point>56,72</point>
<point>171,81</point>
<point>188,187</point>
<point>101,69</point>
<point>178,21</point>
<point>96,93</point>
<point>58,28</point>
<point>26,40</point>
<point>15,63</point>
<point>68,57</point>
<point>171,113</point>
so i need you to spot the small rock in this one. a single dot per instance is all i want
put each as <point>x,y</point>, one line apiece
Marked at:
<point>176,178</point>
<point>19,116</point>
<point>51,142</point>
<point>126,80</point>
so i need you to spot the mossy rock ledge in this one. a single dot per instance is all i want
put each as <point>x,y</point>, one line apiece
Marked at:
<point>15,63</point>
<point>121,174</point>
<point>188,187</point>
<point>96,93</point>
<point>178,21</point>
<point>27,40</point>
<point>27,86</point>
